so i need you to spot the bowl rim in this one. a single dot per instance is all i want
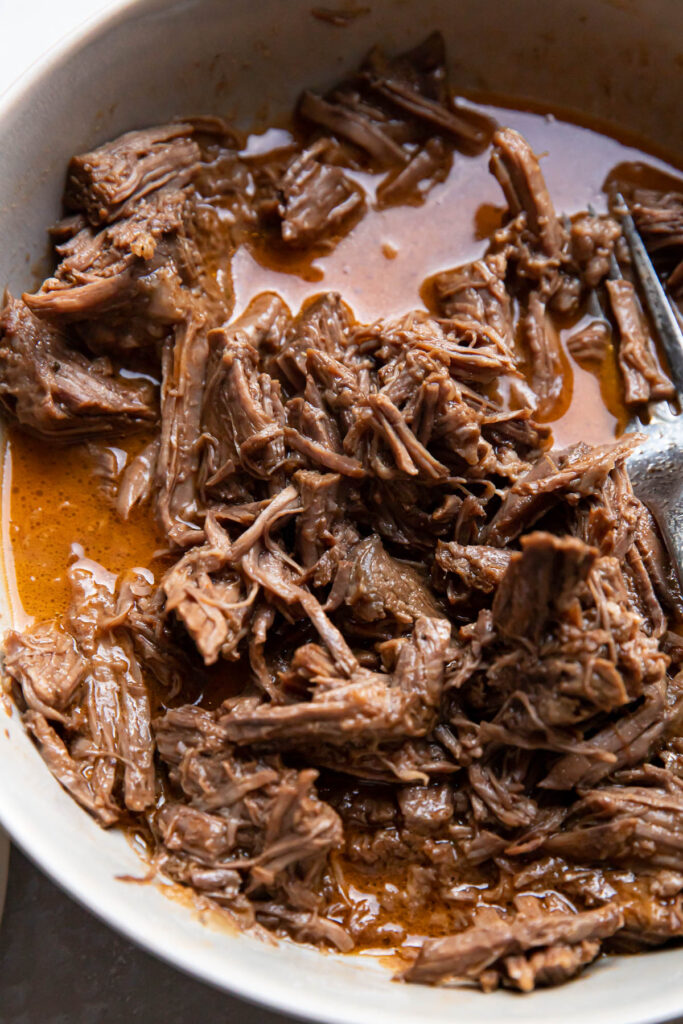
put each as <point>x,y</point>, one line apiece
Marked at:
<point>27,833</point>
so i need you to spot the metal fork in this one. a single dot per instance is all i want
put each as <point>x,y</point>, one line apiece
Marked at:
<point>656,467</point>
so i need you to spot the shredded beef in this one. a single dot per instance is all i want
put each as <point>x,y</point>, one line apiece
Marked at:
<point>643,380</point>
<point>491,939</point>
<point>400,660</point>
<point>658,214</point>
<point>316,198</point>
<point>520,177</point>
<point>395,111</point>
<point>121,172</point>
<point>245,825</point>
<point>92,683</point>
<point>55,391</point>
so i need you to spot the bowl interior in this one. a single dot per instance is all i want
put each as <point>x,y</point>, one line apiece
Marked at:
<point>142,63</point>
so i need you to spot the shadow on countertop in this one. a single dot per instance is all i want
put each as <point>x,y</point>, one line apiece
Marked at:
<point>60,965</point>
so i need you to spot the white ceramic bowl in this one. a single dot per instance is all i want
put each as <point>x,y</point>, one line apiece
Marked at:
<point>140,63</point>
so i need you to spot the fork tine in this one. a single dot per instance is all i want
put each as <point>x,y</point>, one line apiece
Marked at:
<point>666,323</point>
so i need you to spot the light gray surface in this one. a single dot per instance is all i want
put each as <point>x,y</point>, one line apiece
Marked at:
<point>59,965</point>
<point>28,30</point>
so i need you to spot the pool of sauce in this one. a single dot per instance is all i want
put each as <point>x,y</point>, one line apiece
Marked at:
<point>49,498</point>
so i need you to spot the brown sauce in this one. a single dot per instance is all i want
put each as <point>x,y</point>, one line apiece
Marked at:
<point>382,913</point>
<point>51,501</point>
<point>54,502</point>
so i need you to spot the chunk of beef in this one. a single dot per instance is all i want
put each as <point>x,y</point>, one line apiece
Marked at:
<point>133,276</point>
<point>477,290</point>
<point>540,583</point>
<point>392,103</point>
<point>478,566</point>
<point>140,608</point>
<point>320,514</point>
<point>107,464</point>
<point>116,700</point>
<point>305,926</point>
<point>591,655</point>
<point>215,612</point>
<point>137,480</point>
<point>630,740</point>
<point>68,771</point>
<point>55,392</point>
<point>653,912</point>
<point>267,566</point>
<point>317,199</point>
<point>659,570</point>
<point>416,82</point>
<point>642,378</point>
<point>413,761</point>
<point>248,816</point>
<point>551,966</point>
<point>548,367</point>
<point>620,525</point>
<point>591,343</point>
<point>206,588</point>
<point>474,348</point>
<point>659,219</point>
<point>426,808</point>
<point>127,285</point>
<point>322,325</point>
<point>609,521</point>
<point>625,824</point>
<point>410,183</point>
<point>419,410</point>
<point>492,938</point>
<point>352,125</point>
<point>381,586</point>
<point>500,800</point>
<point>579,472</point>
<point>362,707</point>
<point>186,728</point>
<point>520,176</point>
<point>85,675</point>
<point>47,665</point>
<point>106,183</point>
<point>242,415</point>
<point>592,240</point>
<point>317,451</point>
<point>184,361</point>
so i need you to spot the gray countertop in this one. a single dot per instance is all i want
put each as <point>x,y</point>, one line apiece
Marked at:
<point>60,965</point>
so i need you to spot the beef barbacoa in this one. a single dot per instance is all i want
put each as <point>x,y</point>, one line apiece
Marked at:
<point>458,676</point>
